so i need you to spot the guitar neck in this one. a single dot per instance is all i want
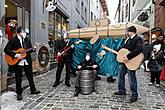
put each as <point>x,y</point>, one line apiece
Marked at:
<point>27,50</point>
<point>111,50</point>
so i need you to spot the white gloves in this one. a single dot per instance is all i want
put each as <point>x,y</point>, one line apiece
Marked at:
<point>94,66</point>
<point>79,66</point>
<point>18,56</point>
<point>72,46</point>
<point>36,46</point>
<point>58,53</point>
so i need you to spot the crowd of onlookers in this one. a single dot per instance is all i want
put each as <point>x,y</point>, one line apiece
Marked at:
<point>154,59</point>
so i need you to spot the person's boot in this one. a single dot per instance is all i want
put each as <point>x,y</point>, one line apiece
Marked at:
<point>77,91</point>
<point>35,91</point>
<point>56,84</point>
<point>94,89</point>
<point>98,77</point>
<point>19,97</point>
<point>110,79</point>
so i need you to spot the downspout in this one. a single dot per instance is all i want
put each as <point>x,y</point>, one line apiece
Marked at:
<point>89,13</point>
<point>119,10</point>
<point>129,11</point>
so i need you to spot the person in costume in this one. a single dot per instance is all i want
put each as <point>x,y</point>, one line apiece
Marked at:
<point>87,64</point>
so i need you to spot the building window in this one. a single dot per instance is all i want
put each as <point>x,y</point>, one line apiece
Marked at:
<point>126,10</point>
<point>82,10</point>
<point>85,15</point>
<point>122,16</point>
<point>78,5</point>
<point>91,16</point>
<point>95,17</point>
<point>27,19</point>
<point>56,27</point>
<point>133,2</point>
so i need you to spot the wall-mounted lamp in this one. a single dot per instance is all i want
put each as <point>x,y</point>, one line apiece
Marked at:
<point>144,15</point>
<point>6,6</point>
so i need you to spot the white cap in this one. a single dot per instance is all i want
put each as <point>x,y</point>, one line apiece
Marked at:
<point>157,47</point>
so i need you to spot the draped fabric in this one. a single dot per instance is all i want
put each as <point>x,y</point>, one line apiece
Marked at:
<point>107,63</point>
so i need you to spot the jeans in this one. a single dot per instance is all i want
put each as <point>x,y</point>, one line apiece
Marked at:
<point>132,81</point>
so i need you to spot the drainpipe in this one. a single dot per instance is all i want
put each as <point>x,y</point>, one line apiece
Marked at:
<point>89,13</point>
<point>129,10</point>
<point>119,10</point>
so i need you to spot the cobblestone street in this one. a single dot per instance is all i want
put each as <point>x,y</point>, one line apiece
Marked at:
<point>61,98</point>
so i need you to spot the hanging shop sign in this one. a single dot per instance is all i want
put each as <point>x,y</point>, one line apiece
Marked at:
<point>143,16</point>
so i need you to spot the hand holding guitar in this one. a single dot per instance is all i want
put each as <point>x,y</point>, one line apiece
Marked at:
<point>60,55</point>
<point>125,59</point>
<point>20,54</point>
<point>132,64</point>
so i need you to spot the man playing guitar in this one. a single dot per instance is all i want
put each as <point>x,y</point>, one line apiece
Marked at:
<point>21,41</point>
<point>134,45</point>
<point>67,47</point>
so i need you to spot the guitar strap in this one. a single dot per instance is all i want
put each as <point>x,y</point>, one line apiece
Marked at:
<point>67,42</point>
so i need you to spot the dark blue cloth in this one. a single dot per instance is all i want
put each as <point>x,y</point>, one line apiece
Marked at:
<point>108,64</point>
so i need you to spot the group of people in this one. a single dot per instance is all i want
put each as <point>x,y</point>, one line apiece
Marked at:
<point>155,58</point>
<point>134,44</point>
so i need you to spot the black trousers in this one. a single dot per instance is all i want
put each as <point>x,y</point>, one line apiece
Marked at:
<point>59,71</point>
<point>18,74</point>
<point>155,76</point>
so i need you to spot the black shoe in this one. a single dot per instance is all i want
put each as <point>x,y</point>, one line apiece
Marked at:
<point>119,93</point>
<point>98,77</point>
<point>19,97</point>
<point>56,84</point>
<point>77,91</point>
<point>110,79</point>
<point>35,92</point>
<point>94,89</point>
<point>133,99</point>
<point>67,84</point>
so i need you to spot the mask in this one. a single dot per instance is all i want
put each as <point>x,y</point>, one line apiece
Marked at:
<point>23,34</point>
<point>87,57</point>
<point>65,36</point>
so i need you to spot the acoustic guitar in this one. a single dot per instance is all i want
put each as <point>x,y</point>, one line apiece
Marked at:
<point>64,50</point>
<point>12,60</point>
<point>132,64</point>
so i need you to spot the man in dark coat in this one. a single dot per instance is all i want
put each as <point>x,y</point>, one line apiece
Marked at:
<point>21,41</point>
<point>134,45</point>
<point>86,64</point>
<point>66,60</point>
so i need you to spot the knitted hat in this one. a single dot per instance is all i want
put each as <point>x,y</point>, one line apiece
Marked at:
<point>132,29</point>
<point>20,29</point>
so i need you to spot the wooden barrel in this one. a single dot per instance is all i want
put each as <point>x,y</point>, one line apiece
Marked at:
<point>86,82</point>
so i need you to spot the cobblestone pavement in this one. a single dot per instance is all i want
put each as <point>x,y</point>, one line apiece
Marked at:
<point>61,98</point>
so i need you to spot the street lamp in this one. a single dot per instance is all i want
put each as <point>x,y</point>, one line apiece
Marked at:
<point>144,15</point>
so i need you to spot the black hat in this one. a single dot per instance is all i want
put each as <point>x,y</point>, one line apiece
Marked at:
<point>20,29</point>
<point>132,29</point>
<point>161,34</point>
